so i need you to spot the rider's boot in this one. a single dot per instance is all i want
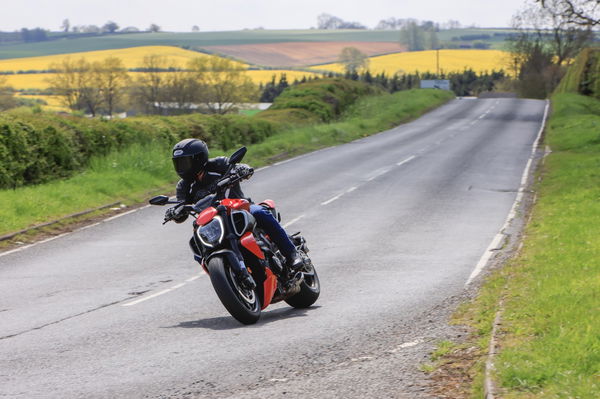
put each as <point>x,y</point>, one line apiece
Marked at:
<point>294,262</point>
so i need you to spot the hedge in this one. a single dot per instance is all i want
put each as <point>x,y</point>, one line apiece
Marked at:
<point>38,148</point>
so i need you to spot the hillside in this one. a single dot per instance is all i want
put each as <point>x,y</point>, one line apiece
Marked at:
<point>199,40</point>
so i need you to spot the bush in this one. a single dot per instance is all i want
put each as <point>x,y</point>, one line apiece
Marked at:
<point>36,148</point>
<point>324,99</point>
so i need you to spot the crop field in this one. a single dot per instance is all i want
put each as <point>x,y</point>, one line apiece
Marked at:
<point>426,61</point>
<point>196,40</point>
<point>292,54</point>
<point>131,57</point>
<point>199,40</point>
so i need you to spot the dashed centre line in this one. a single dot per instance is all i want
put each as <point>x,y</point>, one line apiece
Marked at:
<point>329,201</point>
<point>291,222</point>
<point>159,293</point>
<point>407,160</point>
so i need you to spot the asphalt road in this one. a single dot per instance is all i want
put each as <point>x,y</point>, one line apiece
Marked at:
<point>396,223</point>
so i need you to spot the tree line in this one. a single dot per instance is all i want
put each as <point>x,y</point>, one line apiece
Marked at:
<point>465,83</point>
<point>216,85</point>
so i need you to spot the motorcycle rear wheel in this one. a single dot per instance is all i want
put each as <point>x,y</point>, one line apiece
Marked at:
<point>310,289</point>
<point>241,303</point>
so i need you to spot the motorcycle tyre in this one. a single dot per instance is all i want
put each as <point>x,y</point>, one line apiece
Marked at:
<point>219,272</point>
<point>307,295</point>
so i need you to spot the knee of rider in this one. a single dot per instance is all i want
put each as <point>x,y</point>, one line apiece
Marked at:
<point>259,213</point>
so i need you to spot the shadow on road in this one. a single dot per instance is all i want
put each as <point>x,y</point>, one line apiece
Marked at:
<point>229,323</point>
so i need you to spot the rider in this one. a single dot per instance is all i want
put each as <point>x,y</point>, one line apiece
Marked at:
<point>198,175</point>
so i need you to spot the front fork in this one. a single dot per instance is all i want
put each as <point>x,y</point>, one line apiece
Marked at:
<point>236,258</point>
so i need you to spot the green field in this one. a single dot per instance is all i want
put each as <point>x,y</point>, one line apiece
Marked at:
<point>200,39</point>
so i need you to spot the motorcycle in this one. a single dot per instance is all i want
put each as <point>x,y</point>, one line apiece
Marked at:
<point>226,241</point>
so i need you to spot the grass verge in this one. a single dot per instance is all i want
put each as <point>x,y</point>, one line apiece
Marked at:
<point>131,174</point>
<point>549,337</point>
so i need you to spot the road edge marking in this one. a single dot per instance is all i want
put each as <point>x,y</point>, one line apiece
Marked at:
<point>489,251</point>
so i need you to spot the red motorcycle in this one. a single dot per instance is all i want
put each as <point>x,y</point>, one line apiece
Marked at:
<point>226,240</point>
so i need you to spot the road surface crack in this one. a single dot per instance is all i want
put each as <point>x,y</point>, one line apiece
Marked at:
<point>64,319</point>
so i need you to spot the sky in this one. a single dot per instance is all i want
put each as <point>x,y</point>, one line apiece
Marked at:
<point>214,15</point>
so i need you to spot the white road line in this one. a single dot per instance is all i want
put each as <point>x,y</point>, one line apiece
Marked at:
<point>71,232</point>
<point>148,297</point>
<point>376,175</point>
<point>407,160</point>
<point>351,189</point>
<point>165,291</point>
<point>125,213</point>
<point>406,345</point>
<point>291,222</point>
<point>33,245</point>
<point>513,211</point>
<point>159,293</point>
<point>330,200</point>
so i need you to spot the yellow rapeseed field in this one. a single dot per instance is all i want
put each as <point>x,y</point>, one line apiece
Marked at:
<point>39,80</point>
<point>132,57</point>
<point>425,61</point>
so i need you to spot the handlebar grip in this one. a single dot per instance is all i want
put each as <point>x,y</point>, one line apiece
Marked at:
<point>224,182</point>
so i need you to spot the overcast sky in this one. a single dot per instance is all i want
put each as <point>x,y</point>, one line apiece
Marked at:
<point>214,15</point>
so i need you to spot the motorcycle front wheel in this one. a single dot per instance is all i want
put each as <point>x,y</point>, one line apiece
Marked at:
<point>241,303</point>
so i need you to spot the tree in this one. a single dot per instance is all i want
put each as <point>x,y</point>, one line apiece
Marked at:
<point>151,86</point>
<point>65,25</point>
<point>222,83</point>
<point>327,21</point>
<point>154,28</point>
<point>580,12</point>
<point>548,25</point>
<point>182,92</point>
<point>545,41</point>
<point>34,35</point>
<point>65,81</point>
<point>412,36</point>
<point>353,59</point>
<point>195,28</point>
<point>110,27</point>
<point>111,79</point>
<point>74,82</point>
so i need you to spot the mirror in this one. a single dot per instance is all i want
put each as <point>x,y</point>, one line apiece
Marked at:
<point>159,200</point>
<point>237,156</point>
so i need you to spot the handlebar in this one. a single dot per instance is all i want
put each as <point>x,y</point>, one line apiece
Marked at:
<point>218,190</point>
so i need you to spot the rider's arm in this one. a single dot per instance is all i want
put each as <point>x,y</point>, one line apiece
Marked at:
<point>183,191</point>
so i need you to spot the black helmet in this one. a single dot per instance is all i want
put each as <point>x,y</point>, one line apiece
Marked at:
<point>189,158</point>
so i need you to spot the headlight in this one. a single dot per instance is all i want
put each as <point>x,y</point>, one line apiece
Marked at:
<point>211,233</point>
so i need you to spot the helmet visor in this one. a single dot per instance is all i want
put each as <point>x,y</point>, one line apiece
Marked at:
<point>184,166</point>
